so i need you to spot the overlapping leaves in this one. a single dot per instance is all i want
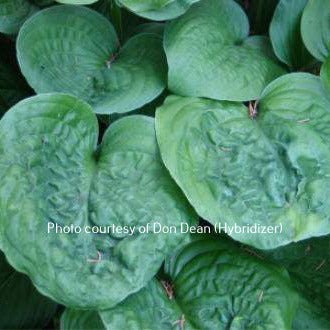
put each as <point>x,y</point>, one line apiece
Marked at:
<point>52,171</point>
<point>309,265</point>
<point>262,165</point>
<point>256,295</point>
<point>285,34</point>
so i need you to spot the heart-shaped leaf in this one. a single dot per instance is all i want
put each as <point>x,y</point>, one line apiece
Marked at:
<point>285,34</point>
<point>209,54</point>
<point>53,174</point>
<point>315,28</point>
<point>158,10</point>
<point>73,49</point>
<point>211,285</point>
<point>21,305</point>
<point>265,181</point>
<point>13,14</point>
<point>325,74</point>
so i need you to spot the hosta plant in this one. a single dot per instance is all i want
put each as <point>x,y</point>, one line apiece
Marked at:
<point>210,54</point>
<point>269,170</point>
<point>256,294</point>
<point>52,171</point>
<point>75,50</point>
<point>164,164</point>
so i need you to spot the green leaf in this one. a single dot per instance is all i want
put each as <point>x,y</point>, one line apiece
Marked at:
<point>261,43</point>
<point>309,265</point>
<point>13,14</point>
<point>285,34</point>
<point>158,10</point>
<point>209,54</point>
<point>73,49</point>
<point>211,285</point>
<point>149,309</point>
<point>315,28</point>
<point>325,74</point>
<point>236,171</point>
<point>220,287</point>
<point>21,305</point>
<point>52,171</point>
<point>83,320</point>
<point>308,317</point>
